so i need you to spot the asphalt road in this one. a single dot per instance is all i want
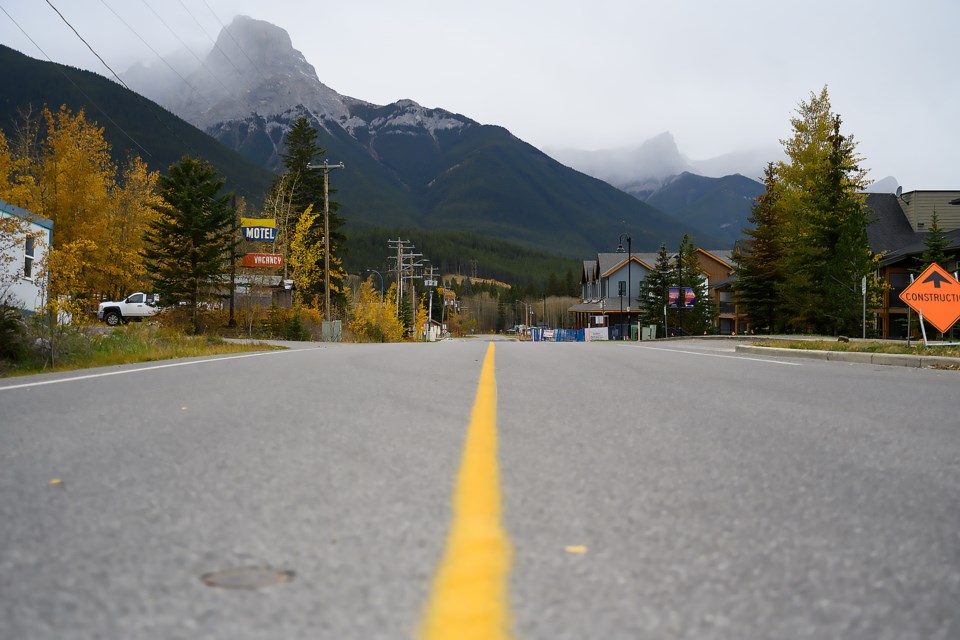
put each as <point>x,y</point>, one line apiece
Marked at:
<point>666,490</point>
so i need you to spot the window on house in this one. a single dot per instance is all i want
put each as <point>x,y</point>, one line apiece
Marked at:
<point>28,257</point>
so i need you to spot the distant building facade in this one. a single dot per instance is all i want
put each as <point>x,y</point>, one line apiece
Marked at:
<point>604,278</point>
<point>610,285</point>
<point>22,283</point>
<point>899,225</point>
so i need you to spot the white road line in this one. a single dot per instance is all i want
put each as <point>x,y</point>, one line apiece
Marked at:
<point>139,369</point>
<point>717,355</point>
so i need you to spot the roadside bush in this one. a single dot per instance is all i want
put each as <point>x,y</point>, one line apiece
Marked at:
<point>312,321</point>
<point>372,319</point>
<point>77,347</point>
<point>12,334</point>
<point>292,324</point>
<point>180,319</point>
<point>60,343</point>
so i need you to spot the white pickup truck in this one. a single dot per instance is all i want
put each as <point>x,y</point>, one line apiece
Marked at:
<point>135,306</point>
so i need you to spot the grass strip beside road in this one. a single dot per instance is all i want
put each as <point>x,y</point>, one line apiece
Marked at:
<point>76,349</point>
<point>469,599</point>
<point>916,349</point>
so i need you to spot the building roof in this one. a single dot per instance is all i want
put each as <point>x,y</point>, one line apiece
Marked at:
<point>649,259</point>
<point>918,247</point>
<point>589,271</point>
<point>14,210</point>
<point>726,282</point>
<point>725,255</point>
<point>889,229</point>
<point>610,262</point>
<point>890,232</point>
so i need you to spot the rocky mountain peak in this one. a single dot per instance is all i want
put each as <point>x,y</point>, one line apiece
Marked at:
<point>655,159</point>
<point>259,47</point>
<point>254,68</point>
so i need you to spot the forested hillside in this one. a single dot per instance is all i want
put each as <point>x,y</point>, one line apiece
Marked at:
<point>132,124</point>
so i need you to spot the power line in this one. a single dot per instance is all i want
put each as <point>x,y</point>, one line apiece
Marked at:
<point>149,104</point>
<point>88,46</point>
<point>76,86</point>
<point>215,45</point>
<point>162,59</point>
<point>189,50</point>
<point>230,35</point>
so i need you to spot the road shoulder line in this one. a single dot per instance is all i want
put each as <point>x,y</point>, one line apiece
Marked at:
<point>717,355</point>
<point>167,365</point>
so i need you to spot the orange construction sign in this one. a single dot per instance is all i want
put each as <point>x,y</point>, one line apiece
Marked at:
<point>935,295</point>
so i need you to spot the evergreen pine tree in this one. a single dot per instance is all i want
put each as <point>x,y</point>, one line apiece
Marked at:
<point>759,277</point>
<point>935,245</point>
<point>189,243</point>
<point>405,316</point>
<point>571,286</point>
<point>501,316</point>
<point>697,320</point>
<point>553,288</point>
<point>935,248</point>
<point>823,223</point>
<point>652,296</point>
<point>843,231</point>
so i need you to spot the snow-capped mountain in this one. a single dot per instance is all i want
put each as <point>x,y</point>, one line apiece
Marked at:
<point>254,69</point>
<point>407,164</point>
<point>255,83</point>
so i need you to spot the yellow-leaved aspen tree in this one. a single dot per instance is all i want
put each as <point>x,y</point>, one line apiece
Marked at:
<point>306,259</point>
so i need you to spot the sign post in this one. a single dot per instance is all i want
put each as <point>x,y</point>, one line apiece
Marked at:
<point>935,295</point>
<point>863,290</point>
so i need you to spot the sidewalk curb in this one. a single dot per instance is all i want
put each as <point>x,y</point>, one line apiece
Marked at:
<point>889,359</point>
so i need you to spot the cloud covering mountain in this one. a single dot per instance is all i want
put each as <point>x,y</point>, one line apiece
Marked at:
<point>406,164</point>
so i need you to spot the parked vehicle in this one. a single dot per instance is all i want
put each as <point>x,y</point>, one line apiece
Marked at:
<point>136,306</point>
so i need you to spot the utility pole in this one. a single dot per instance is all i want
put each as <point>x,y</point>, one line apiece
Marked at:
<point>430,283</point>
<point>404,252</point>
<point>400,247</point>
<point>413,288</point>
<point>233,266</point>
<point>326,166</point>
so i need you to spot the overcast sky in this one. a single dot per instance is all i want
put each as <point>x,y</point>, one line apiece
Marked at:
<point>721,76</point>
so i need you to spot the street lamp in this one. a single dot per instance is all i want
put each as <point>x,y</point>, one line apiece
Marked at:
<point>681,298</point>
<point>381,281</point>
<point>629,271</point>
<point>526,317</point>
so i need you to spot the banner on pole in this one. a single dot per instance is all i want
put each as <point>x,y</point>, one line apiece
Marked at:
<point>673,298</point>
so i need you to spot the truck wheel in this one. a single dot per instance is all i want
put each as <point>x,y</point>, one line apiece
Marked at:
<point>112,318</point>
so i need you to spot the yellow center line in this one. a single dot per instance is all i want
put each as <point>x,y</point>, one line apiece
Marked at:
<point>469,597</point>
